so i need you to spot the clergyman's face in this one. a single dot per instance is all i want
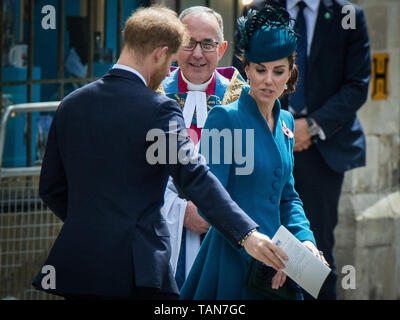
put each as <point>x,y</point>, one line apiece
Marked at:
<point>197,65</point>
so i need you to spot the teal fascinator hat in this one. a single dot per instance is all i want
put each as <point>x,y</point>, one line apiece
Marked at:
<point>266,35</point>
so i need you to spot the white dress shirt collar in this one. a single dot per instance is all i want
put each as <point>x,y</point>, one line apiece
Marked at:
<point>311,4</point>
<point>126,68</point>
<point>310,15</point>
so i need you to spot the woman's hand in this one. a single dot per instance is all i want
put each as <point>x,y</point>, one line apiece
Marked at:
<point>278,280</point>
<point>311,246</point>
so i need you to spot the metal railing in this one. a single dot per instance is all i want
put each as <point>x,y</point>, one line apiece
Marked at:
<point>27,227</point>
<point>17,108</point>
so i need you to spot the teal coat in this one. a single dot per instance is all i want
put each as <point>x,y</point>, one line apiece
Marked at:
<point>267,195</point>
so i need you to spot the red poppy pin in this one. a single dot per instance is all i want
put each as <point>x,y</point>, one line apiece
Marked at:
<point>287,131</point>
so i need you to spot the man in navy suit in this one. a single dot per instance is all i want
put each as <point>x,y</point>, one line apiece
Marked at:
<point>333,58</point>
<point>98,178</point>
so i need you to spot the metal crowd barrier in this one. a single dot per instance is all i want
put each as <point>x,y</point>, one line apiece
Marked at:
<point>27,227</point>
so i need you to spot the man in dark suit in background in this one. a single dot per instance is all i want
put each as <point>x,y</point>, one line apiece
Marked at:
<point>333,58</point>
<point>100,179</point>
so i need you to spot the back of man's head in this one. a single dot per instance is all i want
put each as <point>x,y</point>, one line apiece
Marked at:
<point>200,10</point>
<point>154,27</point>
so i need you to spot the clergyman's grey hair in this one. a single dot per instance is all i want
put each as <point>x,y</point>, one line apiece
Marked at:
<point>199,10</point>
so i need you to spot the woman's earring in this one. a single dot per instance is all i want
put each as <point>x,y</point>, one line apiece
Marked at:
<point>285,87</point>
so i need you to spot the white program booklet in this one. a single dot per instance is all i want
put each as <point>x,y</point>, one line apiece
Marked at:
<point>303,266</point>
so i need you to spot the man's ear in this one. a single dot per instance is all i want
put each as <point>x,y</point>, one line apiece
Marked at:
<point>222,49</point>
<point>159,53</point>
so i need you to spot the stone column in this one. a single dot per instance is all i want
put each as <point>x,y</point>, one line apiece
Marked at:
<point>368,233</point>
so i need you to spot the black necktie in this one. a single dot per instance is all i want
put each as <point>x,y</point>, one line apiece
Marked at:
<point>297,98</point>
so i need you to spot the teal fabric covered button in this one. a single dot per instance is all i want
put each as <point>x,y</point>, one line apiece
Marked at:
<point>276,186</point>
<point>274,199</point>
<point>278,172</point>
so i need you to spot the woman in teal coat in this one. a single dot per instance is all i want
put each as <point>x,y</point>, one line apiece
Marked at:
<point>266,193</point>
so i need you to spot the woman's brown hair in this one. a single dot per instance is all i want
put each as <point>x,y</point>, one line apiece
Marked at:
<point>294,75</point>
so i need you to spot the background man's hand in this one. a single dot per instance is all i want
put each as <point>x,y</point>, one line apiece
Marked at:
<point>193,221</point>
<point>302,139</point>
<point>260,247</point>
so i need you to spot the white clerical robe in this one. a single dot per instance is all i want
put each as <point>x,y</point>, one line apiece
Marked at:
<point>174,207</point>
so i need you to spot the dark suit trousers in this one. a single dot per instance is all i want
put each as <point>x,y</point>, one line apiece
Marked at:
<point>319,188</point>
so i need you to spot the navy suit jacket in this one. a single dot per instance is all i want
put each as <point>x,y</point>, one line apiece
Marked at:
<point>96,178</point>
<point>337,81</point>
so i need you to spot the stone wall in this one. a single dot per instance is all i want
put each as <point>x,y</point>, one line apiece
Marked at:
<point>368,233</point>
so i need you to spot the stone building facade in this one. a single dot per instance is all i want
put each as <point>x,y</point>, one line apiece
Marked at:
<point>368,233</point>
